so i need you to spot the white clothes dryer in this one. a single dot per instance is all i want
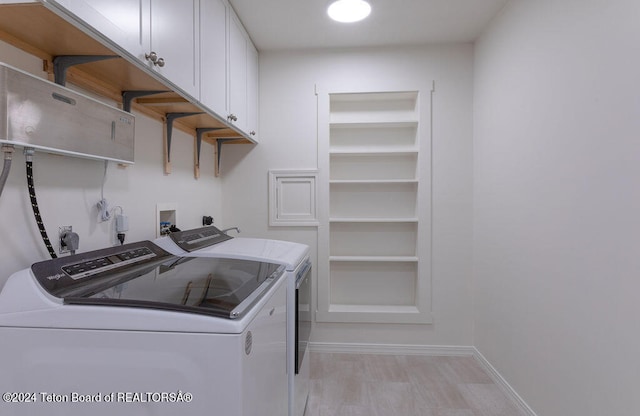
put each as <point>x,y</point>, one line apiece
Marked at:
<point>207,242</point>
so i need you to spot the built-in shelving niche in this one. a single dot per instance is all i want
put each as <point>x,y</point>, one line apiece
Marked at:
<point>375,224</point>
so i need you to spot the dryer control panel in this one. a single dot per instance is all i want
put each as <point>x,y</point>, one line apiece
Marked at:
<point>69,276</point>
<point>191,240</point>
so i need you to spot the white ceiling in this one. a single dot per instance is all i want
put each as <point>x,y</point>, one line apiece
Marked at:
<point>304,24</point>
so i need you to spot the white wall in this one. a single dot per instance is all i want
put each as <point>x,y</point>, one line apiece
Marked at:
<point>68,189</point>
<point>288,140</point>
<point>556,203</point>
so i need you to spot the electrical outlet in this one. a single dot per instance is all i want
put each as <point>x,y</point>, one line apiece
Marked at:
<point>61,232</point>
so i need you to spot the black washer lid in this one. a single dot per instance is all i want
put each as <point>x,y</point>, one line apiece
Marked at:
<point>141,275</point>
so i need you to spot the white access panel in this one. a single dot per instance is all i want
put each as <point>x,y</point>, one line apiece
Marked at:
<point>293,198</point>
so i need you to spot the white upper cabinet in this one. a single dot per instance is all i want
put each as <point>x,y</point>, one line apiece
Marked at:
<point>252,90</point>
<point>237,73</point>
<point>213,55</point>
<point>243,78</point>
<point>228,66</point>
<point>199,46</point>
<point>129,30</point>
<point>175,41</point>
<point>161,33</point>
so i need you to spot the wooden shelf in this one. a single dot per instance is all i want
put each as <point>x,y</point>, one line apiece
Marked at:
<point>41,32</point>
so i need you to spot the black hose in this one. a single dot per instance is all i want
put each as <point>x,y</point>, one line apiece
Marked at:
<point>36,210</point>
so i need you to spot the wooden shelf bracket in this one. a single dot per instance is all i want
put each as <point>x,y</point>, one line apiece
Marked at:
<point>62,63</point>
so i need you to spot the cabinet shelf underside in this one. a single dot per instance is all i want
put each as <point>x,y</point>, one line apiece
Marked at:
<point>41,32</point>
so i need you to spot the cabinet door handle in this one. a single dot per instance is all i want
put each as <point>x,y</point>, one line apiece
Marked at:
<point>151,56</point>
<point>232,117</point>
<point>252,132</point>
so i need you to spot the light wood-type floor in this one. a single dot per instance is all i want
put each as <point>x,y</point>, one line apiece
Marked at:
<point>411,385</point>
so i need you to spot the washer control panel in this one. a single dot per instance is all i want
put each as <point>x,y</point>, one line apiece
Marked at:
<point>64,276</point>
<point>103,264</point>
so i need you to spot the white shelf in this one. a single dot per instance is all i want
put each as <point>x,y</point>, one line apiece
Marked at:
<point>376,108</point>
<point>375,121</point>
<point>352,99</point>
<point>361,282</point>
<point>399,259</point>
<point>372,150</point>
<point>362,165</point>
<point>361,151</point>
<point>370,181</point>
<point>374,313</point>
<point>378,134</point>
<point>372,220</point>
<point>374,200</point>
<point>373,241</point>
<point>394,309</point>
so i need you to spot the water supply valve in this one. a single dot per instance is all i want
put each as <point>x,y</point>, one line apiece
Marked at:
<point>69,241</point>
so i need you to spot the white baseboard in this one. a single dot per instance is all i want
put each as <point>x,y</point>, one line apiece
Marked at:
<point>435,350</point>
<point>503,384</point>
<point>391,349</point>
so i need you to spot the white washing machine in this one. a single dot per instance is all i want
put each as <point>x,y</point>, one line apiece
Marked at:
<point>207,242</point>
<point>134,330</point>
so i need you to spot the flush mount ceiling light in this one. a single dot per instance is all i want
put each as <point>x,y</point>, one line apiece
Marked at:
<point>349,11</point>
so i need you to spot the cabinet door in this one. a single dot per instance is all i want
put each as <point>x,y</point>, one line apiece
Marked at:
<point>175,39</point>
<point>129,30</point>
<point>213,55</point>
<point>252,90</point>
<point>237,73</point>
